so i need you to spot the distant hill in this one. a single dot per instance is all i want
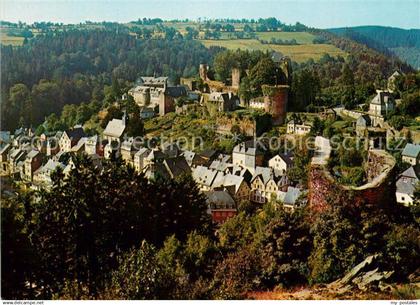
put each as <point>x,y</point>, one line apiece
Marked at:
<point>403,43</point>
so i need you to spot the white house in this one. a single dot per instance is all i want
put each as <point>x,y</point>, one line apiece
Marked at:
<point>298,128</point>
<point>42,176</point>
<point>406,185</point>
<point>280,163</point>
<point>115,129</point>
<point>70,138</point>
<point>139,158</point>
<point>411,154</point>
<point>382,104</point>
<point>247,155</point>
<point>257,103</point>
<point>204,177</point>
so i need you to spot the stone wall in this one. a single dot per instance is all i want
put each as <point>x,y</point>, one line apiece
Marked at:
<point>324,190</point>
<point>224,125</point>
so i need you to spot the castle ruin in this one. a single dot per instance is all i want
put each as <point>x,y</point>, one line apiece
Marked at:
<point>378,189</point>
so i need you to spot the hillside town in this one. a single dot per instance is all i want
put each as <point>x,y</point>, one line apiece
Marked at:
<point>251,172</point>
<point>179,157</point>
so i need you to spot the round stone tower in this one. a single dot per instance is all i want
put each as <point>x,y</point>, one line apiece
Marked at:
<point>275,102</point>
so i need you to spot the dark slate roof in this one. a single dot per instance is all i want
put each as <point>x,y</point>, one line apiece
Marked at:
<point>171,149</point>
<point>176,91</point>
<point>382,97</point>
<point>220,200</point>
<point>209,153</point>
<point>157,170</point>
<point>155,155</point>
<point>408,180</point>
<point>177,166</point>
<point>412,172</point>
<point>75,133</point>
<point>364,121</point>
<point>287,158</point>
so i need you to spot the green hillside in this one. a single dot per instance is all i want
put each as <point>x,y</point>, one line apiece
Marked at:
<point>403,43</point>
<point>298,53</point>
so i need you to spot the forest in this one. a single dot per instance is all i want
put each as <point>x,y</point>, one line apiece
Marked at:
<point>73,67</point>
<point>393,41</point>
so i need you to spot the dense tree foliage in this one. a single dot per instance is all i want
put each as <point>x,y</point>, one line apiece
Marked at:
<point>100,213</point>
<point>73,67</point>
<point>388,40</point>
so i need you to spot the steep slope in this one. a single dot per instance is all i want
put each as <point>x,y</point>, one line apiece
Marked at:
<point>388,40</point>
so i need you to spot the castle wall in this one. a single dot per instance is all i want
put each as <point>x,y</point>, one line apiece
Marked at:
<point>225,124</point>
<point>379,189</point>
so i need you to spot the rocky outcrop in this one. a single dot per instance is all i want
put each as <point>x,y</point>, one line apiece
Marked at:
<point>364,276</point>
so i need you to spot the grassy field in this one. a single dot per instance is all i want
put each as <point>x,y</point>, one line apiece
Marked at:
<point>298,53</point>
<point>10,40</point>
<point>301,37</point>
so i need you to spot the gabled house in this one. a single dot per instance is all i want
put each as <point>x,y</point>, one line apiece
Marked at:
<point>93,146</point>
<point>115,129</point>
<point>128,150</point>
<point>208,156</point>
<point>263,185</point>
<point>224,101</point>
<point>177,166</point>
<point>236,185</point>
<point>70,138</point>
<point>411,154</point>
<point>221,206</point>
<point>53,144</point>
<point>33,161</point>
<point>193,159</point>
<point>406,185</point>
<point>4,154</point>
<point>79,148</point>
<point>280,163</point>
<point>290,198</point>
<point>298,128</point>
<point>380,106</point>
<point>392,81</point>
<point>155,156</point>
<point>139,158</point>
<point>247,155</point>
<point>204,177</point>
<point>16,157</point>
<point>42,176</point>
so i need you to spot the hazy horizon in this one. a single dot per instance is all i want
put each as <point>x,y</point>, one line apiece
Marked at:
<point>320,13</point>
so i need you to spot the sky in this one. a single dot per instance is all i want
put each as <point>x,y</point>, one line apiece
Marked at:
<point>314,13</point>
